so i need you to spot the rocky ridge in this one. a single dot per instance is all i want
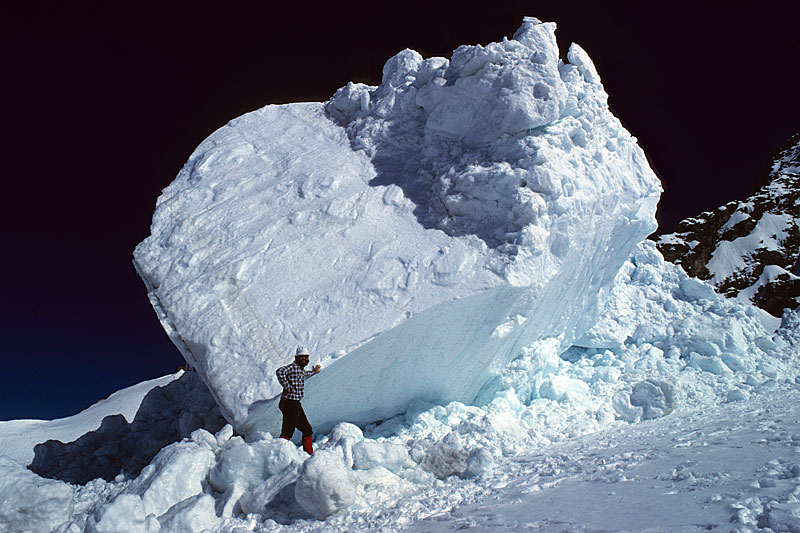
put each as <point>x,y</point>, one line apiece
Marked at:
<point>749,249</point>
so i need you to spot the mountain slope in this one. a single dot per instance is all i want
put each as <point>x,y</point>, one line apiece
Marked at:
<point>749,249</point>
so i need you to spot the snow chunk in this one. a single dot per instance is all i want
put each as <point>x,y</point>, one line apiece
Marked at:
<point>488,93</point>
<point>250,475</point>
<point>29,502</point>
<point>564,389</point>
<point>784,516</point>
<point>176,473</point>
<point>125,513</point>
<point>191,515</point>
<point>649,399</point>
<point>370,454</point>
<point>578,57</point>
<point>324,486</point>
<point>447,457</point>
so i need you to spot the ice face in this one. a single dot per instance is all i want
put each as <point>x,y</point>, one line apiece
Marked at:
<point>414,236</point>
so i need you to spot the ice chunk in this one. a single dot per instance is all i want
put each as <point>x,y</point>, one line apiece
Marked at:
<point>564,388</point>
<point>343,437</point>
<point>447,457</point>
<point>480,461</point>
<point>649,399</point>
<point>324,486</point>
<point>488,95</point>
<point>414,235</point>
<point>251,474</point>
<point>714,364</point>
<point>656,398</point>
<point>783,516</point>
<point>191,515</point>
<point>176,473</point>
<point>369,454</point>
<point>124,513</point>
<point>29,502</point>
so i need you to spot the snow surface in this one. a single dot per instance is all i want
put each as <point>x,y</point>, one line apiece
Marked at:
<point>413,235</point>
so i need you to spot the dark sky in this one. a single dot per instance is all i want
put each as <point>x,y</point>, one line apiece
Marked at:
<point>103,105</point>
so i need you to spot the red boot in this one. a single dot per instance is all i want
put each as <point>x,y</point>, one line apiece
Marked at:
<point>307,445</point>
<point>287,438</point>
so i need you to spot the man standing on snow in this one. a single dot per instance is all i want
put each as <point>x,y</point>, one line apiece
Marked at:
<point>292,378</point>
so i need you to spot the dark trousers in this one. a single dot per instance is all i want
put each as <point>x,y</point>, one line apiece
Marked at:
<point>293,417</point>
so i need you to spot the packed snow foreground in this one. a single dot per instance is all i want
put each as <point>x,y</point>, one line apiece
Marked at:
<point>464,248</point>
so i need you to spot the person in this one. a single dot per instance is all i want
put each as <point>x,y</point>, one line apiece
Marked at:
<point>292,378</point>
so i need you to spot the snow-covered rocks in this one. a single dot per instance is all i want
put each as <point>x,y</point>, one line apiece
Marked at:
<point>749,249</point>
<point>413,246</point>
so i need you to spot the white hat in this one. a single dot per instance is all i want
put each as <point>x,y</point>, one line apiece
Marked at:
<point>300,351</point>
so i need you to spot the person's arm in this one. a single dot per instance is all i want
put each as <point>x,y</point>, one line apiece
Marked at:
<point>281,374</point>
<point>313,371</point>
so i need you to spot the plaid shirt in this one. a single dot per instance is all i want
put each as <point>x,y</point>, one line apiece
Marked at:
<point>292,376</point>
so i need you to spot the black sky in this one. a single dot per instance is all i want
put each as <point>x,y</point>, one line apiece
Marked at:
<point>103,105</point>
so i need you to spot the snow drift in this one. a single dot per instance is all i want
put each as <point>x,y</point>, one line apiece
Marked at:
<point>413,235</point>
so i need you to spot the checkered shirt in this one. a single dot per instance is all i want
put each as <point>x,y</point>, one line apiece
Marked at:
<point>292,376</point>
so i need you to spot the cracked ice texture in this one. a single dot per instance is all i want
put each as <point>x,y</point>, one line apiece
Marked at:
<point>414,236</point>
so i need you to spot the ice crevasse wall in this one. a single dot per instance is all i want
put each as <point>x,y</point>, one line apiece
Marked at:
<point>414,235</point>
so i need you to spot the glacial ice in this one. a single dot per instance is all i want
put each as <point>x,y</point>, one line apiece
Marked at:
<point>415,235</point>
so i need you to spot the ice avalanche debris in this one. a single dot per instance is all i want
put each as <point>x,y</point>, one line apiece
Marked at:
<point>640,362</point>
<point>415,235</point>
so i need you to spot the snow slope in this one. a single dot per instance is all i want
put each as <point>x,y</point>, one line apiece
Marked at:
<point>459,211</point>
<point>20,436</point>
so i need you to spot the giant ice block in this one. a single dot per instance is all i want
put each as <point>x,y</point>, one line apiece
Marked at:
<point>414,236</point>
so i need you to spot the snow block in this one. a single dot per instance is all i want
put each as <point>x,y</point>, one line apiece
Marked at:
<point>176,473</point>
<point>447,457</point>
<point>124,514</point>
<point>413,247</point>
<point>649,399</point>
<point>191,515</point>
<point>324,486</point>
<point>29,502</point>
<point>369,454</point>
<point>249,475</point>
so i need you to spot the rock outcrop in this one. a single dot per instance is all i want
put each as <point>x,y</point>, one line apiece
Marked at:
<point>749,249</point>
